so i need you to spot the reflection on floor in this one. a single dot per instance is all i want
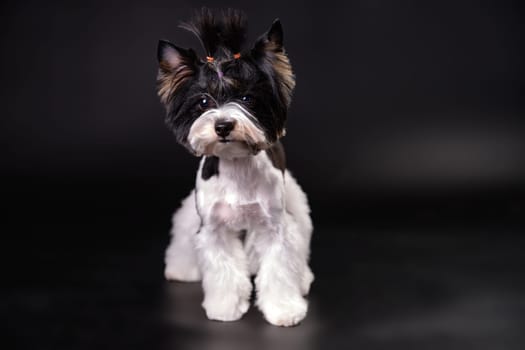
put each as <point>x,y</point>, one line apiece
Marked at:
<point>100,285</point>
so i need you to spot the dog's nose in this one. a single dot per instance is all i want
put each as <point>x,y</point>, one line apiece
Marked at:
<point>223,128</point>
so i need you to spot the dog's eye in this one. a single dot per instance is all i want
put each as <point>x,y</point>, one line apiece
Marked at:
<point>246,98</point>
<point>204,102</point>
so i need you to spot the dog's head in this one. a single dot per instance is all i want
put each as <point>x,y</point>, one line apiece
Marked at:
<point>233,102</point>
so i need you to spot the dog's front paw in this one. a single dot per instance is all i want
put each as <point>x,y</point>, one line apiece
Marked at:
<point>228,307</point>
<point>284,312</point>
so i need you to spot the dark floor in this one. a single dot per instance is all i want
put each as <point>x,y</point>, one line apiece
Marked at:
<point>88,275</point>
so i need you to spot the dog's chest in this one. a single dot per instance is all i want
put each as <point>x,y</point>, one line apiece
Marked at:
<point>238,216</point>
<point>241,195</point>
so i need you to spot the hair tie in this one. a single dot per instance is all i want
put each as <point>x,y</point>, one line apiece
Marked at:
<point>237,55</point>
<point>209,59</point>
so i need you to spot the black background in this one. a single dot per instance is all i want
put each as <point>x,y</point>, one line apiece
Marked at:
<point>406,131</point>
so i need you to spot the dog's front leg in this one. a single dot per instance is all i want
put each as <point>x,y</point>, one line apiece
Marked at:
<point>225,278</point>
<point>280,277</point>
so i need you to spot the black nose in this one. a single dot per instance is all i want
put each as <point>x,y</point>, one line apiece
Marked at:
<point>223,128</point>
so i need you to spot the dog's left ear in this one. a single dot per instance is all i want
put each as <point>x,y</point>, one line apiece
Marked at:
<point>176,66</point>
<point>269,52</point>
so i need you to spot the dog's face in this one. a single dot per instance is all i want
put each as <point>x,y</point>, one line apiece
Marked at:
<point>233,103</point>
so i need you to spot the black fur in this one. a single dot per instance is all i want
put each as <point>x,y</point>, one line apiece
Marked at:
<point>219,35</point>
<point>277,156</point>
<point>207,29</point>
<point>252,80</point>
<point>234,30</point>
<point>210,167</point>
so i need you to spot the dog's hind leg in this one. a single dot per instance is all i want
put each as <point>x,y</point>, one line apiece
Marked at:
<point>297,206</point>
<point>181,257</point>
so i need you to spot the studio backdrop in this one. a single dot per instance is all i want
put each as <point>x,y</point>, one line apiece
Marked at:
<point>410,97</point>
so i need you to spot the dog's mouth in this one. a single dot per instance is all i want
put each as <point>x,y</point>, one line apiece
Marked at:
<point>235,146</point>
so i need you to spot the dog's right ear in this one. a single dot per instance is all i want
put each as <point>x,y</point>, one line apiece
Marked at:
<point>176,66</point>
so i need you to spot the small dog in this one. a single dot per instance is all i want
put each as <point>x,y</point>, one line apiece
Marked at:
<point>247,215</point>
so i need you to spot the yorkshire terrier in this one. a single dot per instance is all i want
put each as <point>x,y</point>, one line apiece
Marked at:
<point>247,216</point>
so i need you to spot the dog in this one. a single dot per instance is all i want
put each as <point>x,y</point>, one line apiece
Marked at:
<point>247,216</point>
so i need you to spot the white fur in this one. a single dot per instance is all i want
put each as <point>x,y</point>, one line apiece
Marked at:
<point>249,195</point>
